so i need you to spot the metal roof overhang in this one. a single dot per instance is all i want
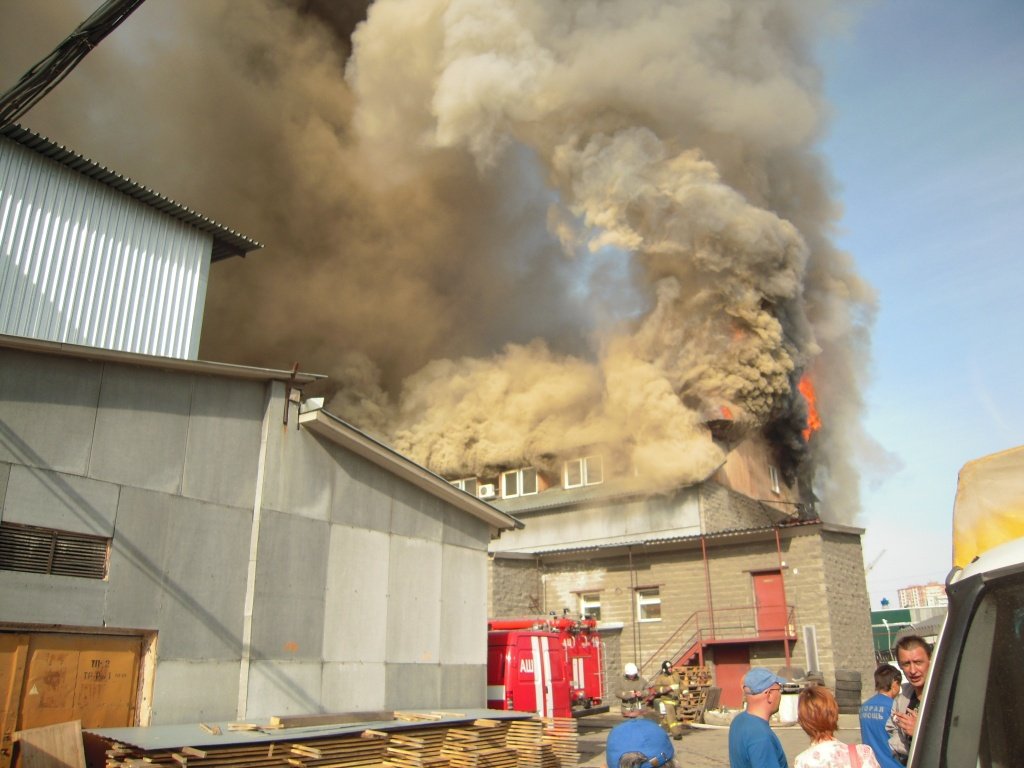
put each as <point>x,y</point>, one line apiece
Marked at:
<point>226,242</point>
<point>151,361</point>
<point>668,542</point>
<point>342,433</point>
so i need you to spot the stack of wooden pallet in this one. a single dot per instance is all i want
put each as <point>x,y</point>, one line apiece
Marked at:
<point>481,745</point>
<point>695,682</point>
<point>526,739</point>
<point>562,735</point>
<point>420,748</point>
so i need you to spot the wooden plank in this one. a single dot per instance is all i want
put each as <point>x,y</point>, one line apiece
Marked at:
<point>52,746</point>
<point>337,718</point>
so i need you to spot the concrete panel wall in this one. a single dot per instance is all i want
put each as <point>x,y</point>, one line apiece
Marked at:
<point>141,428</point>
<point>5,475</point>
<point>464,608</point>
<point>368,592</point>
<point>413,686</point>
<point>288,618</point>
<point>222,450</point>
<point>353,686</point>
<point>61,501</point>
<point>464,685</point>
<point>414,596</point>
<point>195,691</point>
<point>51,600</point>
<point>178,565</point>
<point>356,603</point>
<point>47,411</point>
<point>284,688</point>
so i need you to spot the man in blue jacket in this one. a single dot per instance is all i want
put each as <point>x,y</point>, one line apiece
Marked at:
<point>876,711</point>
<point>752,742</point>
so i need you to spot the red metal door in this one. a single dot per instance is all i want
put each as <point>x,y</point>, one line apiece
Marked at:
<point>731,664</point>
<point>770,602</point>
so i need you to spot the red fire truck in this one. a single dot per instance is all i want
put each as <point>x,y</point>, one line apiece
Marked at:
<point>551,666</point>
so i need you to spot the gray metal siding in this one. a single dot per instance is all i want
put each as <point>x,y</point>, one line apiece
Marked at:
<point>81,263</point>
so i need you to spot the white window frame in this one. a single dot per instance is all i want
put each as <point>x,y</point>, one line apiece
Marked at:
<point>647,596</point>
<point>590,470</point>
<point>461,484</point>
<point>589,601</point>
<point>773,476</point>
<point>519,475</point>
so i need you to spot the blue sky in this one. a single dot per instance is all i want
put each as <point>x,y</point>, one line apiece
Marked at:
<point>926,145</point>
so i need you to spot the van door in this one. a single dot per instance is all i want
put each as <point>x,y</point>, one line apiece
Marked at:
<point>542,683</point>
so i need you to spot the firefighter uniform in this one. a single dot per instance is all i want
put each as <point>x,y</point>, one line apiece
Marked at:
<point>666,701</point>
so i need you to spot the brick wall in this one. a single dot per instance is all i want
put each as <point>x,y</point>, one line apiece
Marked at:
<point>823,578</point>
<point>849,606</point>
<point>514,588</point>
<point>723,509</point>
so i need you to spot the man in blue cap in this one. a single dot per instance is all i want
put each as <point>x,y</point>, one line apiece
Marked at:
<point>639,743</point>
<point>752,743</point>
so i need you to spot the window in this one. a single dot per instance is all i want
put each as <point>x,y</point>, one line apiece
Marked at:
<point>468,484</point>
<point>586,471</point>
<point>519,482</point>
<point>773,474</point>
<point>46,550</point>
<point>590,605</point>
<point>648,604</point>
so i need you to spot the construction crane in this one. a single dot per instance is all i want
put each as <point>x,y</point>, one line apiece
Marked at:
<point>869,566</point>
<point>47,73</point>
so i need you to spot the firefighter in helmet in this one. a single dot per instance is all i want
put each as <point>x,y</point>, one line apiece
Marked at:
<point>635,691</point>
<point>666,687</point>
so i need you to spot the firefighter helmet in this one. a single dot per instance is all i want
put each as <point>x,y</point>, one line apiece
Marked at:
<point>630,670</point>
<point>666,667</point>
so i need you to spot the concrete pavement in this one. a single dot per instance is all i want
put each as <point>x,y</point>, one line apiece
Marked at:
<point>701,746</point>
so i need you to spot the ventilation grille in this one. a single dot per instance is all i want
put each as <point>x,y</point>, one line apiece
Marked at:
<point>45,550</point>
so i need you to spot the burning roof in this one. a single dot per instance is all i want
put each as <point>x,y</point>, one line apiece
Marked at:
<point>505,228</point>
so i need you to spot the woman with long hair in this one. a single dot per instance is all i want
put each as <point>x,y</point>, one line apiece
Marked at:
<point>818,715</point>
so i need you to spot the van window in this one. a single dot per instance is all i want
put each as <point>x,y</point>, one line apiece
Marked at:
<point>987,709</point>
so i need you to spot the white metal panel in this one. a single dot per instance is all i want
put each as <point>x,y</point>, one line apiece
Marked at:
<point>82,263</point>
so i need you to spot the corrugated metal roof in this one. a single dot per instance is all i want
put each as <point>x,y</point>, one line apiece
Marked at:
<point>226,242</point>
<point>649,541</point>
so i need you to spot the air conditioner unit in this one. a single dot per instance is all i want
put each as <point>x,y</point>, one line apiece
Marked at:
<point>486,491</point>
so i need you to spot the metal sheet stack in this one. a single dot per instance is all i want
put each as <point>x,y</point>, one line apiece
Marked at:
<point>479,743</point>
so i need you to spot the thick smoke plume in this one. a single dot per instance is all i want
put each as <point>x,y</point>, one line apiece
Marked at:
<point>509,231</point>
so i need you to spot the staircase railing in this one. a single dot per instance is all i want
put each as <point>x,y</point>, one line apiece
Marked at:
<point>703,626</point>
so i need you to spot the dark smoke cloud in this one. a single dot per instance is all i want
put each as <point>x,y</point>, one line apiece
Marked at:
<point>508,231</point>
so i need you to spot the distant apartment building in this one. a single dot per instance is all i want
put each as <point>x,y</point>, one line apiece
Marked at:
<point>929,595</point>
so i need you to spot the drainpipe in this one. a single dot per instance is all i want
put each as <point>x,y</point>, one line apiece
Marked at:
<point>707,586</point>
<point>785,604</point>
<point>250,579</point>
<point>632,605</point>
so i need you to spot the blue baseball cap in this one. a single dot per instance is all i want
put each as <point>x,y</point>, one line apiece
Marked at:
<point>641,736</point>
<point>759,680</point>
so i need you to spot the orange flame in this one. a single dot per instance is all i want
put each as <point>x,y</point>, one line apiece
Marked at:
<point>813,419</point>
